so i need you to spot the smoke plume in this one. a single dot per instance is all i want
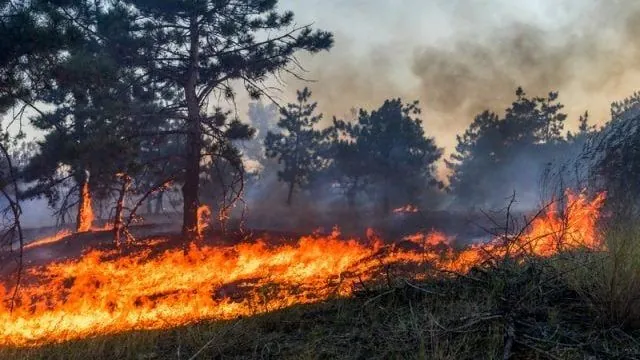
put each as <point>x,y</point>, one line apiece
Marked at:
<point>476,57</point>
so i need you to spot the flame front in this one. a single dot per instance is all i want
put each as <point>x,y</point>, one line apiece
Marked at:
<point>105,292</point>
<point>49,239</point>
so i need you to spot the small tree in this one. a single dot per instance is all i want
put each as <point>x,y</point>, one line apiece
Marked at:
<point>387,148</point>
<point>300,146</point>
<point>511,151</point>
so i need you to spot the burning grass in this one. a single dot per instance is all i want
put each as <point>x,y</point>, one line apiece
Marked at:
<point>513,285</point>
<point>448,317</point>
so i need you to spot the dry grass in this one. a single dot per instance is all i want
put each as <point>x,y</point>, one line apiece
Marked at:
<point>610,281</point>
<point>530,310</point>
<point>576,305</point>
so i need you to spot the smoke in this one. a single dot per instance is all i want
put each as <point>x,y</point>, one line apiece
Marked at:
<point>459,58</point>
<point>36,214</point>
<point>465,57</point>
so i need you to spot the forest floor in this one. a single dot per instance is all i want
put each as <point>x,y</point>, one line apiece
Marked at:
<point>515,311</point>
<point>577,305</point>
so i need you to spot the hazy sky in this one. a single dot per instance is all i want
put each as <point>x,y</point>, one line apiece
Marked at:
<point>459,57</point>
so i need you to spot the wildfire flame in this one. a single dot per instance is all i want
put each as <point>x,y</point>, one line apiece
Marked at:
<point>85,212</point>
<point>204,219</point>
<point>106,292</point>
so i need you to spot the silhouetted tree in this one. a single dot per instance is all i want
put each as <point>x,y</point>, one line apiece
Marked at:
<point>299,148</point>
<point>503,154</point>
<point>29,43</point>
<point>388,150</point>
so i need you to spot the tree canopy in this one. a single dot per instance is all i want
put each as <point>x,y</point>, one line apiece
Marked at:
<point>387,150</point>
<point>498,155</point>
<point>300,147</point>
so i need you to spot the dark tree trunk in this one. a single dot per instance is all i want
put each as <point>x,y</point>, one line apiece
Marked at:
<point>290,194</point>
<point>190,190</point>
<point>149,208</point>
<point>159,203</point>
<point>118,225</point>
<point>194,139</point>
<point>84,217</point>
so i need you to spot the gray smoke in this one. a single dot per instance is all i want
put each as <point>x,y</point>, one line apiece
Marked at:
<point>471,56</point>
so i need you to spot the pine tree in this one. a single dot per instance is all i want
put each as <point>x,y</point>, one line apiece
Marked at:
<point>299,147</point>
<point>388,149</point>
<point>198,48</point>
<point>95,105</point>
<point>487,154</point>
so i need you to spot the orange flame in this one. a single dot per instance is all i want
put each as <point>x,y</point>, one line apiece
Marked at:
<point>85,211</point>
<point>204,219</point>
<point>104,292</point>
<point>552,232</point>
<point>49,239</point>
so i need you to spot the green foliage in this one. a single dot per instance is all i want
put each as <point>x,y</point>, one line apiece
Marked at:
<point>494,152</point>
<point>28,43</point>
<point>197,49</point>
<point>388,150</point>
<point>129,83</point>
<point>227,41</point>
<point>300,148</point>
<point>610,281</point>
<point>95,105</point>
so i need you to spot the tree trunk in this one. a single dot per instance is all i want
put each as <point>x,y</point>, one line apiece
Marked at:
<point>118,225</point>
<point>194,139</point>
<point>84,218</point>
<point>149,208</point>
<point>190,191</point>
<point>290,194</point>
<point>159,203</point>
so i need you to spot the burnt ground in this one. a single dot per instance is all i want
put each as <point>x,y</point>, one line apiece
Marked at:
<point>164,235</point>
